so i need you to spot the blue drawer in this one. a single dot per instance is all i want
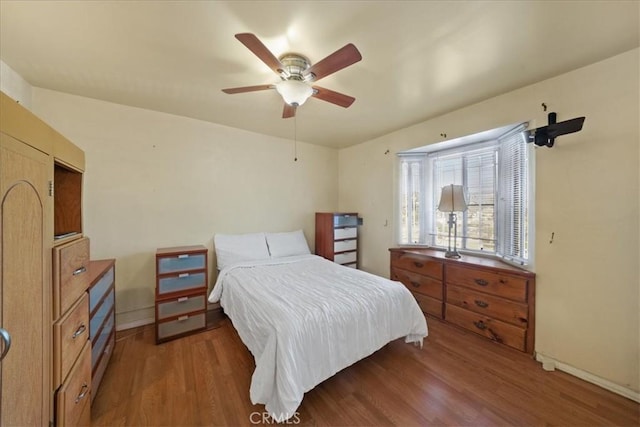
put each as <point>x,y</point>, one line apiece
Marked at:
<point>345,220</point>
<point>184,262</point>
<point>181,306</point>
<point>100,315</point>
<point>181,282</point>
<point>98,290</point>
<point>181,325</point>
<point>97,346</point>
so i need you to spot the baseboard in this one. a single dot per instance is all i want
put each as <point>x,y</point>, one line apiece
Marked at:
<point>135,324</point>
<point>134,318</point>
<point>550,364</point>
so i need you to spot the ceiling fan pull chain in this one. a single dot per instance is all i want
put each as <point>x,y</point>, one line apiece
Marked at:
<point>295,138</point>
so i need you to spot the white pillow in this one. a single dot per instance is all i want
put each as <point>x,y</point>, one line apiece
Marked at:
<point>233,248</point>
<point>287,244</point>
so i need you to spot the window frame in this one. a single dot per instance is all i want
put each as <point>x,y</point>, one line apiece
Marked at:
<point>489,140</point>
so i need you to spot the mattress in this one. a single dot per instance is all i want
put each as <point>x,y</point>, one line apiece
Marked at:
<point>304,318</point>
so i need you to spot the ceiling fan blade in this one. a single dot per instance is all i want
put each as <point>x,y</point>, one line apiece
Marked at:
<point>289,111</point>
<point>569,126</point>
<point>333,97</point>
<point>243,89</point>
<point>260,50</point>
<point>338,60</point>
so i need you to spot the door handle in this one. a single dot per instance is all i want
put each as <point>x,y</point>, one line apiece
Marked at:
<point>7,342</point>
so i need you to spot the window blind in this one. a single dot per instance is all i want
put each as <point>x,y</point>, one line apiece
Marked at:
<point>513,198</point>
<point>412,200</point>
<point>476,171</point>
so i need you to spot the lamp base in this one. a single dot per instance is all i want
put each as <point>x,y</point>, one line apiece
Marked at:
<point>452,254</point>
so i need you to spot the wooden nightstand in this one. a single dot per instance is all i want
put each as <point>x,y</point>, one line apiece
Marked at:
<point>181,291</point>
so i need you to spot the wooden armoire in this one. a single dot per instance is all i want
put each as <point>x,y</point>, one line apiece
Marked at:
<point>31,154</point>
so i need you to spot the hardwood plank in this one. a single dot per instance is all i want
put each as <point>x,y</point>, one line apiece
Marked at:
<point>457,378</point>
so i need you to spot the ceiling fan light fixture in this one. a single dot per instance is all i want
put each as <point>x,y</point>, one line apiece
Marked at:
<point>294,92</point>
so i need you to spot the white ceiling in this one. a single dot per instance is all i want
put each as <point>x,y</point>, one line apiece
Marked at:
<point>420,59</point>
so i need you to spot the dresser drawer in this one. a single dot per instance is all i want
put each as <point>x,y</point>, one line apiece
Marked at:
<point>181,282</point>
<point>345,220</point>
<point>345,245</point>
<point>498,308</point>
<point>418,283</point>
<point>70,334</point>
<point>75,391</point>
<point>417,264</point>
<point>345,258</point>
<point>499,284</point>
<point>103,346</point>
<point>429,305</point>
<point>493,329</point>
<point>70,278</point>
<point>99,343</point>
<point>181,305</point>
<point>180,326</point>
<point>100,316</point>
<point>345,233</point>
<point>100,289</point>
<point>100,365</point>
<point>181,262</point>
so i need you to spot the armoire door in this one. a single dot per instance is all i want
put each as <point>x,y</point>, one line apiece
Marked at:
<point>25,263</point>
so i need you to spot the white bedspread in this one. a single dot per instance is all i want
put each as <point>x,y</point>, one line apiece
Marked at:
<point>305,318</point>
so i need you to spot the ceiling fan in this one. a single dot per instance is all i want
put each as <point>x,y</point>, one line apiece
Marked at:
<point>545,136</point>
<point>297,74</point>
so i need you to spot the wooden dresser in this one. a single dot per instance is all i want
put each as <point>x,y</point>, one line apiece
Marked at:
<point>181,291</point>
<point>337,237</point>
<point>483,295</point>
<point>71,344</point>
<point>43,300</point>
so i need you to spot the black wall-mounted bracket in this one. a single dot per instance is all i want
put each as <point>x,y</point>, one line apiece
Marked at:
<point>545,136</point>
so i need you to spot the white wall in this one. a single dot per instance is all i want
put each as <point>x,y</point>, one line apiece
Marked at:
<point>587,194</point>
<point>156,180</point>
<point>12,84</point>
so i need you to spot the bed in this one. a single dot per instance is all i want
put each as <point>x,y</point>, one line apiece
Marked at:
<point>304,318</point>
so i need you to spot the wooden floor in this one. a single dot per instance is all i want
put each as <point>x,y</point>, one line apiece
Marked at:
<point>455,379</point>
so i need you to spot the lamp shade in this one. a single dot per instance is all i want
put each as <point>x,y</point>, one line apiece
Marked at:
<point>294,92</point>
<point>452,199</point>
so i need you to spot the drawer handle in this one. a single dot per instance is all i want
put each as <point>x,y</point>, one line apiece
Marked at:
<point>480,325</point>
<point>183,299</point>
<point>418,264</point>
<point>415,284</point>
<point>79,331</point>
<point>481,282</point>
<point>79,270</point>
<point>83,392</point>
<point>183,275</point>
<point>481,303</point>
<point>182,318</point>
<point>183,256</point>
<point>4,334</point>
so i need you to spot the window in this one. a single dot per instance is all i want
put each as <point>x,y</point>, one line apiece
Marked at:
<point>494,170</point>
